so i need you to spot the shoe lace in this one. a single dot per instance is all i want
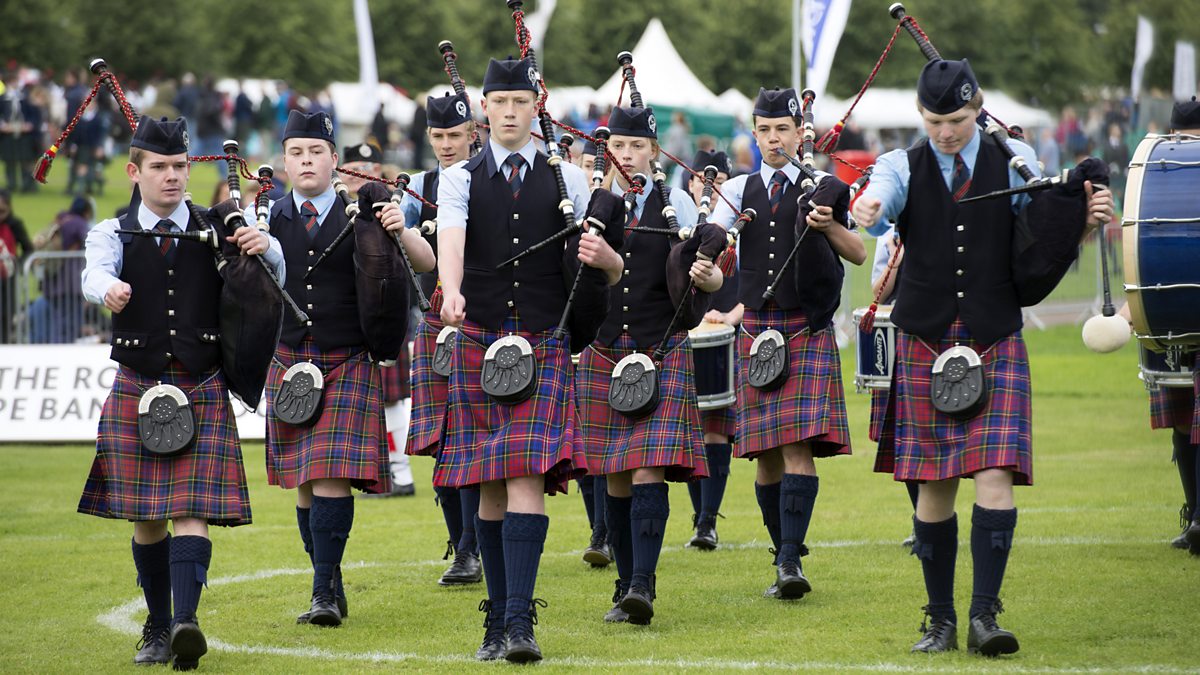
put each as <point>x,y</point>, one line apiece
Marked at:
<point>774,555</point>
<point>598,539</point>
<point>460,557</point>
<point>489,619</point>
<point>989,619</point>
<point>449,550</point>
<point>789,567</point>
<point>152,633</point>
<point>933,628</point>
<point>533,605</point>
<point>619,590</point>
<point>1183,516</point>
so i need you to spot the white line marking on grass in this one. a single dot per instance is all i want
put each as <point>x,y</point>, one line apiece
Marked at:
<point>121,619</point>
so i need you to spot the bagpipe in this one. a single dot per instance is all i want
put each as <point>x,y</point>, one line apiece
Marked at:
<point>450,58</point>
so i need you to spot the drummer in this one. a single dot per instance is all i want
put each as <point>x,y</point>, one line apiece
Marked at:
<point>720,424</point>
<point>639,454</point>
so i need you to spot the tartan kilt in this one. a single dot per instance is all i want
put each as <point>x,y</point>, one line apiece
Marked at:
<point>720,421</point>
<point>669,437</point>
<point>810,407</point>
<point>879,405</point>
<point>349,439</point>
<point>396,379</point>
<point>485,440</point>
<point>207,481</point>
<point>429,392</point>
<point>1171,407</point>
<point>930,446</point>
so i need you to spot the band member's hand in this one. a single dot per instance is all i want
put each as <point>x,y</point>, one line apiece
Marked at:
<point>392,217</point>
<point>454,308</point>
<point>117,296</point>
<point>251,240</point>
<point>866,211</point>
<point>594,251</point>
<point>820,218</point>
<point>705,275</point>
<point>1100,205</point>
<point>713,316</point>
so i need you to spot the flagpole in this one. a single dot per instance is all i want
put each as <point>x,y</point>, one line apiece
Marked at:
<point>796,37</point>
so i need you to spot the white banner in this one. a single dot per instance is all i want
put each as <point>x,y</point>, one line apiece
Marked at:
<point>823,22</point>
<point>368,69</point>
<point>1185,70</point>
<point>56,393</point>
<point>1141,54</point>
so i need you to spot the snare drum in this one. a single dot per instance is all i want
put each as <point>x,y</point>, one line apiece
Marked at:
<point>1162,241</point>
<point>713,358</point>
<point>1172,368</point>
<point>876,353</point>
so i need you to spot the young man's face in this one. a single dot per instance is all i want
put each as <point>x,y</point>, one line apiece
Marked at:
<point>451,145</point>
<point>633,153</point>
<point>951,132</point>
<point>162,179</point>
<point>587,163</point>
<point>309,163</point>
<point>776,133</point>
<point>353,183</point>
<point>510,115</point>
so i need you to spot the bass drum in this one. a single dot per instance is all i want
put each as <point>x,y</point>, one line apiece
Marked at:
<point>1161,232</point>
<point>713,360</point>
<point>1172,368</point>
<point>875,356</point>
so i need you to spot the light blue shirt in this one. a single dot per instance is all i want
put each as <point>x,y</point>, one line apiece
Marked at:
<point>890,178</point>
<point>685,208</point>
<point>883,252</point>
<point>104,252</point>
<point>454,187</point>
<point>734,188</point>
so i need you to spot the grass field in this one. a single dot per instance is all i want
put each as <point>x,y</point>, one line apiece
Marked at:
<point>1092,583</point>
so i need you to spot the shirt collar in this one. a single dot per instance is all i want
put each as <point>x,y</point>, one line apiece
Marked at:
<point>501,153</point>
<point>640,199</point>
<point>322,202</point>
<point>147,219</point>
<point>766,173</point>
<point>969,152</point>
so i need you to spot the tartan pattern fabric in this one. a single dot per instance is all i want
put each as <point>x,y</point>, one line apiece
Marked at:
<point>1171,407</point>
<point>778,182</point>
<point>485,440</point>
<point>206,481</point>
<point>960,180</point>
<point>931,446</point>
<point>670,437</point>
<point>879,404</point>
<point>809,407</point>
<point>309,213</point>
<point>720,421</point>
<point>395,378</point>
<point>349,440</point>
<point>430,392</point>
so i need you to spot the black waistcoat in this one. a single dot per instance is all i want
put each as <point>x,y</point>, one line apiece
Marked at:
<point>328,295</point>
<point>765,244</point>
<point>173,310</point>
<point>958,258</point>
<point>640,303</point>
<point>429,193</point>
<point>497,229</point>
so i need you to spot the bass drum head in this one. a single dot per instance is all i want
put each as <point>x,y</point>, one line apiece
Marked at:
<point>633,390</point>
<point>767,364</point>
<point>1161,237</point>
<point>166,425</point>
<point>876,351</point>
<point>713,362</point>
<point>509,373</point>
<point>300,399</point>
<point>443,350</point>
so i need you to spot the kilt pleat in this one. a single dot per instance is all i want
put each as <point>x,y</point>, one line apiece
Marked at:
<point>931,446</point>
<point>670,437</point>
<point>810,407</point>
<point>349,440</point>
<point>485,441</point>
<point>430,392</point>
<point>207,481</point>
<point>1171,407</point>
<point>720,421</point>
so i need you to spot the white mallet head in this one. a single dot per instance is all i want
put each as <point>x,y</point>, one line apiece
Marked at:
<point>1104,334</point>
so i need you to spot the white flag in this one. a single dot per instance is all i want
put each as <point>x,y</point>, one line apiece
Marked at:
<point>823,22</point>
<point>368,70</point>
<point>1185,71</point>
<point>1141,54</point>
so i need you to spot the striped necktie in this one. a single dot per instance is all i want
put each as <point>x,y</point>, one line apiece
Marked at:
<point>309,213</point>
<point>778,181</point>
<point>960,182</point>
<point>166,245</point>
<point>514,164</point>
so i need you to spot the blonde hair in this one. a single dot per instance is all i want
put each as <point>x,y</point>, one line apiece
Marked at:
<point>612,170</point>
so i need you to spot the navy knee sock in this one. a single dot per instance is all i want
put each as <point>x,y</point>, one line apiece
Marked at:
<point>1189,471</point>
<point>991,540</point>
<point>648,514</point>
<point>696,494</point>
<point>491,553</point>
<point>768,503</point>
<point>914,489</point>
<point>599,503</point>
<point>153,563</point>
<point>190,557</point>
<point>587,490</point>
<point>937,548</point>
<point>303,522</point>
<point>712,489</point>
<point>798,494</point>
<point>331,519</point>
<point>451,502</point>
<point>524,538</point>
<point>468,499</point>
<point>620,534</point>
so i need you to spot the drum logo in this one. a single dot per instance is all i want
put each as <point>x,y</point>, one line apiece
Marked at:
<point>881,352</point>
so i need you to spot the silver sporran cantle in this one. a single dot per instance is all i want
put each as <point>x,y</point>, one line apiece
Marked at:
<point>957,387</point>
<point>165,421</point>
<point>633,390</point>
<point>509,373</point>
<point>300,397</point>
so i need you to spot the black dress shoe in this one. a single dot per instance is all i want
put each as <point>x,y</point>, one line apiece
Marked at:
<point>188,644</point>
<point>464,570</point>
<point>522,647</point>
<point>155,646</point>
<point>339,598</point>
<point>790,582</point>
<point>1181,541</point>
<point>616,614</point>
<point>772,592</point>
<point>598,553</point>
<point>1192,535</point>
<point>638,603</point>
<point>910,540</point>
<point>706,534</point>
<point>406,490</point>
<point>324,611</point>
<point>493,648</point>
<point>988,638</point>
<point>938,635</point>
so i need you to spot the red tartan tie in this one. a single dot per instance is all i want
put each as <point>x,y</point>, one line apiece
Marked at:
<point>776,195</point>
<point>309,213</point>
<point>165,244</point>
<point>960,182</point>
<point>514,163</point>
